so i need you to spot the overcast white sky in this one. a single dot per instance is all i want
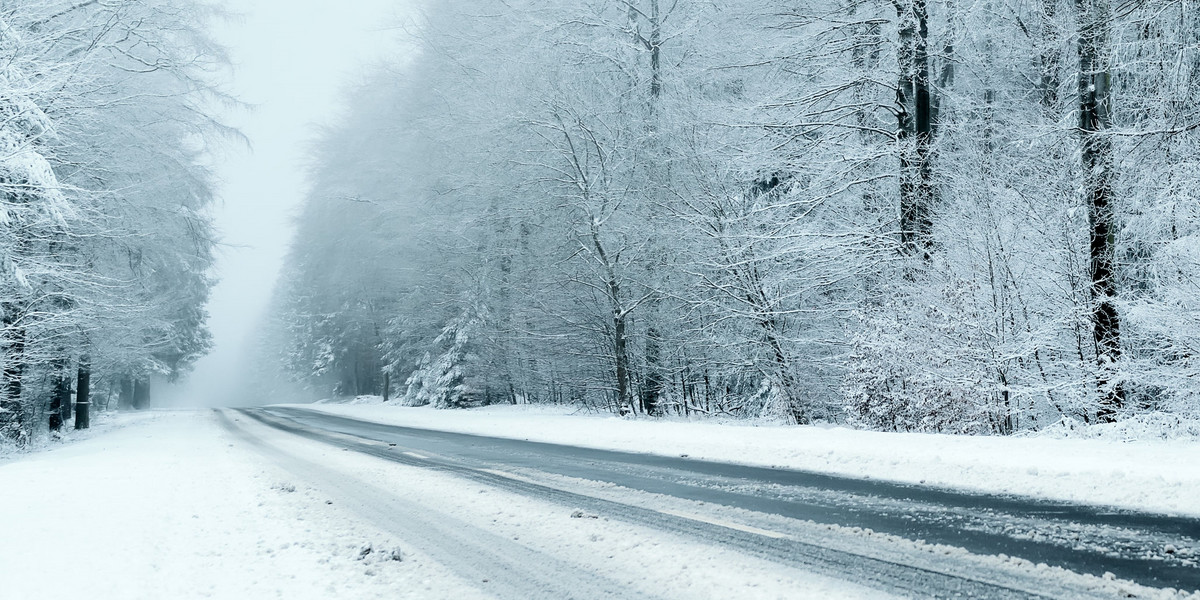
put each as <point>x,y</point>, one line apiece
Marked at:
<point>292,59</point>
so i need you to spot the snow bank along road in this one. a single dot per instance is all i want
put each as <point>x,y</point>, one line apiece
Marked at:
<point>904,540</point>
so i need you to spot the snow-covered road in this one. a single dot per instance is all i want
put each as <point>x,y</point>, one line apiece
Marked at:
<point>253,505</point>
<point>900,538</point>
<point>174,506</point>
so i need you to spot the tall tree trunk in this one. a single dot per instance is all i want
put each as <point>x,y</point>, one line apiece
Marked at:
<point>620,350</point>
<point>620,319</point>
<point>66,407</point>
<point>782,370</point>
<point>55,412</point>
<point>915,130</point>
<point>12,411</point>
<point>83,394</point>
<point>1095,120</point>
<point>141,393</point>
<point>60,401</point>
<point>387,384</point>
<point>125,400</point>
<point>652,390</point>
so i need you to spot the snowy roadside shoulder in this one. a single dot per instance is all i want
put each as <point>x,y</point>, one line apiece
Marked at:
<point>102,422</point>
<point>172,507</point>
<point>1158,476</point>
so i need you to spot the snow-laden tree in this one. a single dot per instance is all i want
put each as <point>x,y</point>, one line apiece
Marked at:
<point>964,217</point>
<point>107,262</point>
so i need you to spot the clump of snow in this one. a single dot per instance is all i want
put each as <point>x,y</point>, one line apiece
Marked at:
<point>375,552</point>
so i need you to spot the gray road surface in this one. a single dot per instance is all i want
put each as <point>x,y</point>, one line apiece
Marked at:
<point>1153,550</point>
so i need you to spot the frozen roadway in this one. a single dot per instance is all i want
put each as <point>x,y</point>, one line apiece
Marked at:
<point>901,540</point>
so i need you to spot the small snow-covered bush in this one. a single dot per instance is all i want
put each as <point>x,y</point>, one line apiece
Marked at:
<point>923,367</point>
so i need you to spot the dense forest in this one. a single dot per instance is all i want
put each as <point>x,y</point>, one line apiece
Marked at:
<point>105,242</point>
<point>915,215</point>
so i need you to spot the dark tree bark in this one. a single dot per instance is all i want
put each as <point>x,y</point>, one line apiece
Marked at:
<point>620,350</point>
<point>12,412</point>
<point>60,400</point>
<point>83,394</point>
<point>1095,120</point>
<point>652,389</point>
<point>620,319</point>
<point>915,130</point>
<point>125,399</point>
<point>66,406</point>
<point>55,413</point>
<point>387,384</point>
<point>141,394</point>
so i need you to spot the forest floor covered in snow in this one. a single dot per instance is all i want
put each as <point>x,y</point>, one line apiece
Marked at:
<point>1098,468</point>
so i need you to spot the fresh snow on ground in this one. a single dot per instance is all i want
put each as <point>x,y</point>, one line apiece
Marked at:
<point>102,422</point>
<point>1156,476</point>
<point>167,506</point>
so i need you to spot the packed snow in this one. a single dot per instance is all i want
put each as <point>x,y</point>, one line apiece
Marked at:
<point>176,507</point>
<point>648,561</point>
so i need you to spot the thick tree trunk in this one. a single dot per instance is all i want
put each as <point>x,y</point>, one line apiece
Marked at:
<point>141,394</point>
<point>652,389</point>
<point>387,384</point>
<point>60,401</point>
<point>66,406</point>
<point>83,394</point>
<point>125,400</point>
<point>915,130</point>
<point>55,412</point>
<point>620,353</point>
<point>1097,162</point>
<point>12,412</point>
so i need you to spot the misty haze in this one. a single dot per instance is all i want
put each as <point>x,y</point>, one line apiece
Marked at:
<point>599,299</point>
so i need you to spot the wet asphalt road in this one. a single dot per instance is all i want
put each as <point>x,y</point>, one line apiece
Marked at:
<point>1154,550</point>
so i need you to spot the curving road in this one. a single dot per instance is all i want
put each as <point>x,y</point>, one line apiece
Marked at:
<point>851,529</point>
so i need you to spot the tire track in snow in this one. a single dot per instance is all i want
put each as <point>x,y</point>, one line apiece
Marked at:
<point>1157,551</point>
<point>494,564</point>
<point>892,577</point>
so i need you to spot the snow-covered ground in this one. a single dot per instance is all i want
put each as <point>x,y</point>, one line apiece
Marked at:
<point>1156,476</point>
<point>172,505</point>
<point>102,422</point>
<point>166,505</point>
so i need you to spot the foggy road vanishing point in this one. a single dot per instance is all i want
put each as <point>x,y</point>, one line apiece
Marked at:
<point>900,540</point>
